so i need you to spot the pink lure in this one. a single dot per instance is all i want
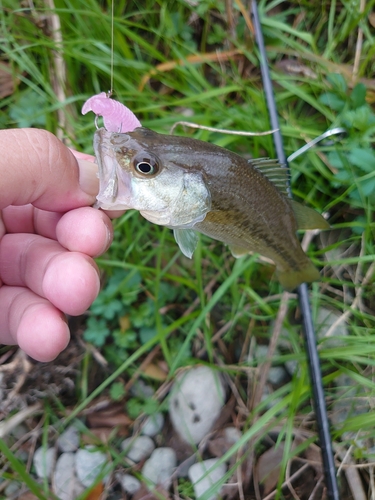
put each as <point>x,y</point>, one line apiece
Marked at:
<point>116,116</point>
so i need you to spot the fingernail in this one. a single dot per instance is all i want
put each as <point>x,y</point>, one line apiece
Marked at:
<point>88,177</point>
<point>109,229</point>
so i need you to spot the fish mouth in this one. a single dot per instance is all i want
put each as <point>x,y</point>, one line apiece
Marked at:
<point>113,195</point>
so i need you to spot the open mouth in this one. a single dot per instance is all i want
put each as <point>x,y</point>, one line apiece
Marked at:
<point>114,182</point>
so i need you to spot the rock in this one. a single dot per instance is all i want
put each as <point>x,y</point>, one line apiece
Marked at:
<point>183,468</point>
<point>291,366</point>
<point>232,434</point>
<point>325,319</point>
<point>212,472</point>
<point>89,465</point>
<point>222,441</point>
<point>68,441</point>
<point>138,448</point>
<point>44,462</point>
<point>13,489</point>
<point>153,425</point>
<point>261,352</point>
<point>19,431</point>
<point>267,391</point>
<point>349,403</point>
<point>197,398</point>
<point>65,483</point>
<point>276,375</point>
<point>158,469</point>
<point>129,483</point>
<point>141,390</point>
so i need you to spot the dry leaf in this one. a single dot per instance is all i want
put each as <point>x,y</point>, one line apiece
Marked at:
<point>220,443</point>
<point>155,372</point>
<point>268,468</point>
<point>7,81</point>
<point>192,59</point>
<point>157,494</point>
<point>313,455</point>
<point>110,417</point>
<point>103,435</point>
<point>28,496</point>
<point>96,492</point>
<point>124,323</point>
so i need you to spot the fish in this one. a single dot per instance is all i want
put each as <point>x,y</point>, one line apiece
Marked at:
<point>192,187</point>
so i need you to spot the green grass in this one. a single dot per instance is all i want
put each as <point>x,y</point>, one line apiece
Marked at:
<point>146,279</point>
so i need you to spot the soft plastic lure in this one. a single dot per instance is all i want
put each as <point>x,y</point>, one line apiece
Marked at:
<point>116,116</point>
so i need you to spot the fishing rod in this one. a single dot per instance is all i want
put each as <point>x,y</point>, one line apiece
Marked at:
<point>308,326</point>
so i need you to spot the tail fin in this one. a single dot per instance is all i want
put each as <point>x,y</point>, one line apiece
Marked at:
<point>291,279</point>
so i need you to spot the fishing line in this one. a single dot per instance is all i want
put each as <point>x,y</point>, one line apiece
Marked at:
<point>112,44</point>
<point>329,133</point>
<point>219,130</point>
<point>310,340</point>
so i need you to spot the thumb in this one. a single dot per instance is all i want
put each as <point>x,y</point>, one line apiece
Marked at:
<point>37,168</point>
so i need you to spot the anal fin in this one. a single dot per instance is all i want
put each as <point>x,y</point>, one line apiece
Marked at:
<point>238,251</point>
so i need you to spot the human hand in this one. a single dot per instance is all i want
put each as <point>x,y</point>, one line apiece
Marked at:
<point>48,236</point>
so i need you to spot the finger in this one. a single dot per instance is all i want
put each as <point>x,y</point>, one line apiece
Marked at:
<point>28,219</point>
<point>83,156</point>
<point>85,230</point>
<point>32,323</point>
<point>37,168</point>
<point>69,280</point>
<point>114,214</point>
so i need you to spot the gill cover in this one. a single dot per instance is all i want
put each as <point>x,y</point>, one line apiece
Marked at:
<point>175,197</point>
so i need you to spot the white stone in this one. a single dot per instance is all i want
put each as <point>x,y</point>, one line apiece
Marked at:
<point>153,425</point>
<point>141,390</point>
<point>44,462</point>
<point>292,366</point>
<point>64,478</point>
<point>89,465</point>
<point>19,431</point>
<point>325,319</point>
<point>158,469</point>
<point>261,352</point>
<point>232,434</point>
<point>129,483</point>
<point>348,404</point>
<point>196,400</point>
<point>276,375</point>
<point>68,441</point>
<point>204,475</point>
<point>13,490</point>
<point>138,448</point>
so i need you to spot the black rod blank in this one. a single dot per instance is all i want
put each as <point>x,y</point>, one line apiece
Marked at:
<point>310,341</point>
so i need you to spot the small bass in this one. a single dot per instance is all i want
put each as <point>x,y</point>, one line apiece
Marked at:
<point>195,187</point>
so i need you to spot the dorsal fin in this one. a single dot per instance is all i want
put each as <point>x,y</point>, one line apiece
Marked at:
<point>274,171</point>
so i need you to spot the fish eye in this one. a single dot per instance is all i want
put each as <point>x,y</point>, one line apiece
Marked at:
<point>146,165</point>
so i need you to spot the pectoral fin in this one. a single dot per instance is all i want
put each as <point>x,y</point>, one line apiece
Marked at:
<point>187,240</point>
<point>307,218</point>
